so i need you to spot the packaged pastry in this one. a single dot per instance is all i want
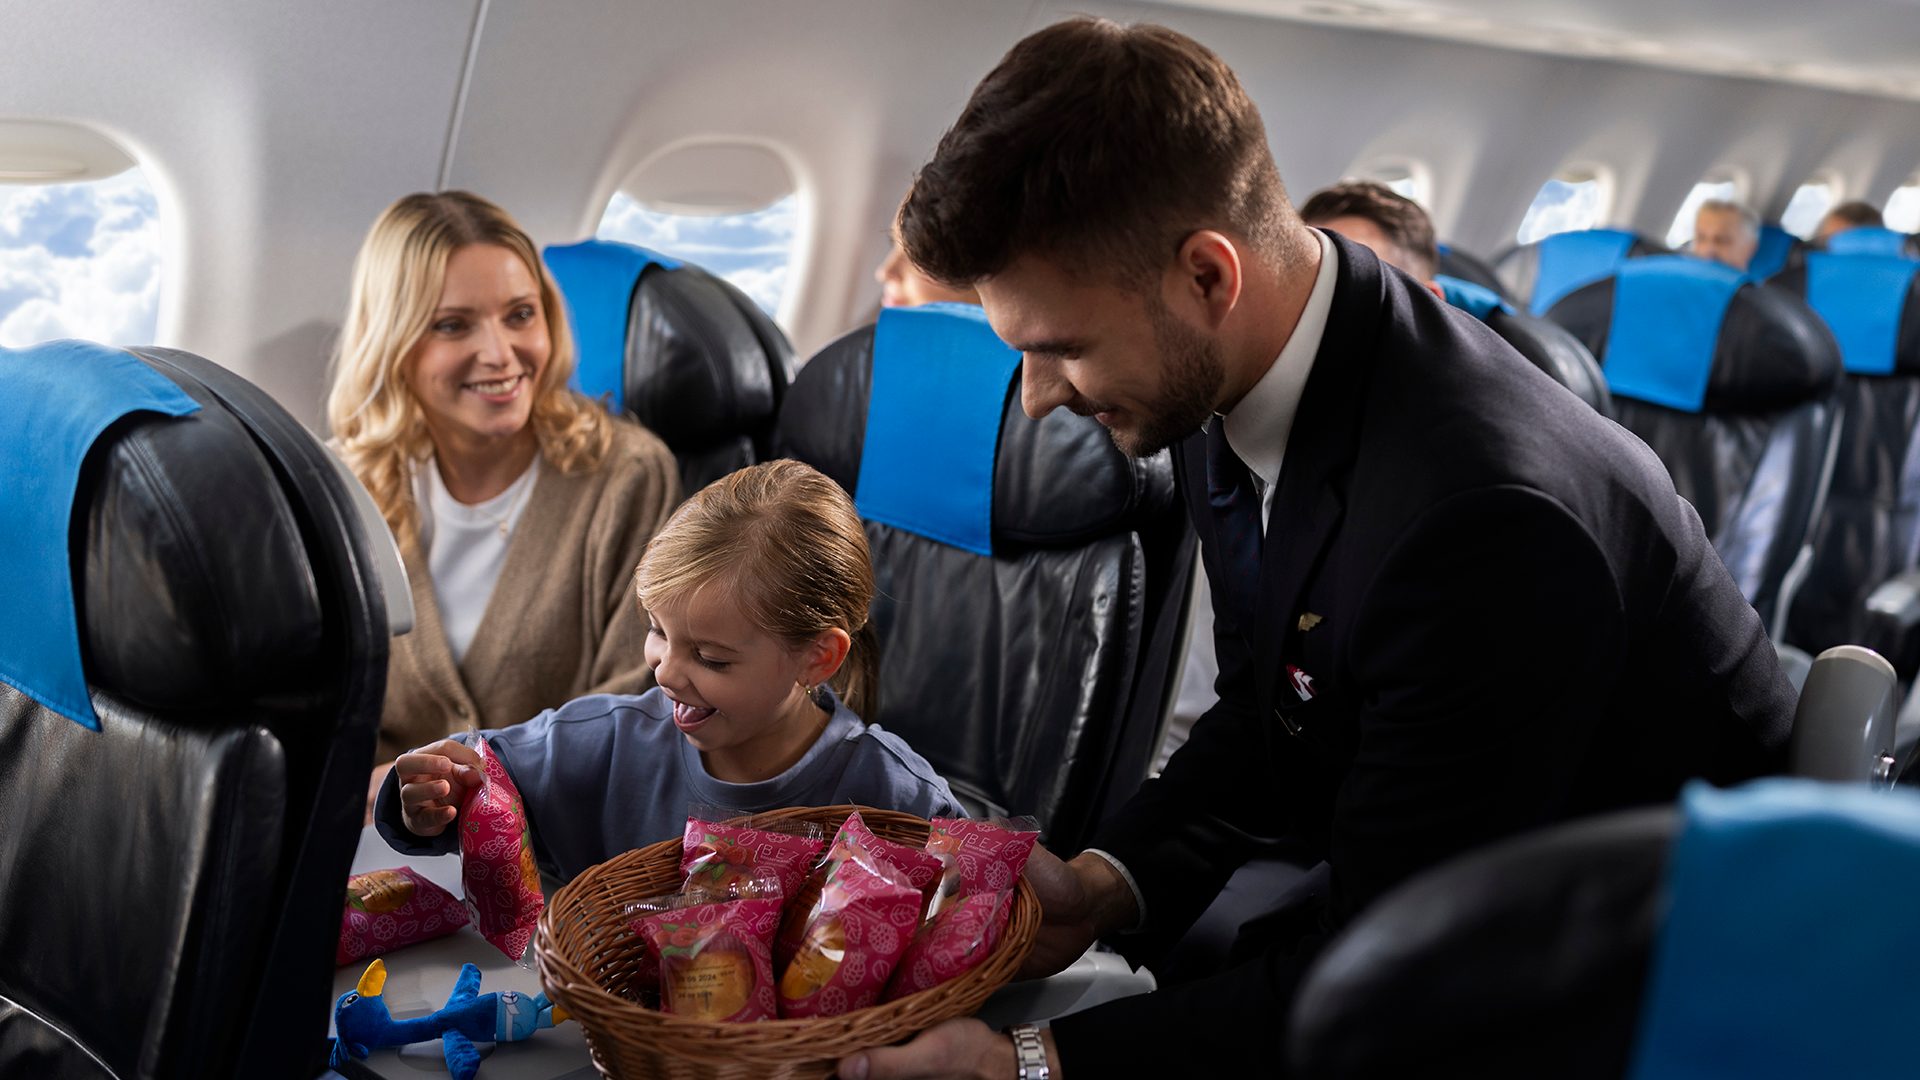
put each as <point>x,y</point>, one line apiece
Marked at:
<point>921,869</point>
<point>983,855</point>
<point>957,940</point>
<point>716,958</point>
<point>496,860</point>
<point>849,948</point>
<point>390,909</point>
<point>715,855</point>
<point>760,884</point>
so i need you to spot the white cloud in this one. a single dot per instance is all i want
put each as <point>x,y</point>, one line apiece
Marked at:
<point>752,251</point>
<point>1561,207</point>
<point>79,260</point>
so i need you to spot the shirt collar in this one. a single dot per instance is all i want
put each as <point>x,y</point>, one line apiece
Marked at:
<point>1258,426</point>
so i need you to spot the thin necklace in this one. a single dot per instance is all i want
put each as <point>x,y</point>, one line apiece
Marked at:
<point>505,522</point>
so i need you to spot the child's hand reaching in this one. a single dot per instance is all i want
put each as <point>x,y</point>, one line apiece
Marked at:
<point>433,780</point>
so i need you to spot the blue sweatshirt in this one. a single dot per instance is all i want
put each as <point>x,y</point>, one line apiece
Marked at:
<point>604,774</point>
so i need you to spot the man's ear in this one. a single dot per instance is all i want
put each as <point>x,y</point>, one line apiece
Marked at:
<point>1434,288</point>
<point>821,658</point>
<point>1207,277</point>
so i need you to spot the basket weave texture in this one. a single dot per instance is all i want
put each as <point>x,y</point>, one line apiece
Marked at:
<point>587,957</point>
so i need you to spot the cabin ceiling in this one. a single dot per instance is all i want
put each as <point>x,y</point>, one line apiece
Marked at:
<point>1862,46</point>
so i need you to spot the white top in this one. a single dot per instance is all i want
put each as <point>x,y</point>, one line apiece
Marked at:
<point>466,546</point>
<point>1258,427</point>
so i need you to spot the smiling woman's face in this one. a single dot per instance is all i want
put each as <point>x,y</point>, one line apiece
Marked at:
<point>474,370</point>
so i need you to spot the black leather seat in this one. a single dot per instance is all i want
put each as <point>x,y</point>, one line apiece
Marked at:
<point>171,884</point>
<point>1036,679</point>
<point>1546,270</point>
<point>1546,344</point>
<point>1466,266</point>
<point>1752,447</point>
<point>684,351</point>
<point>1870,530</point>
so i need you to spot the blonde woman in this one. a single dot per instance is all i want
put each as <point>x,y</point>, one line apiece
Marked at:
<point>521,508</point>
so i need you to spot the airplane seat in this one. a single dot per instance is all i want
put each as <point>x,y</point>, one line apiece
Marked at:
<point>1465,266</point>
<point>1548,269</point>
<point>1032,580</point>
<point>1778,250</point>
<point>1547,345</point>
<point>682,350</point>
<point>187,721</point>
<point>1733,385</point>
<point>1873,240</point>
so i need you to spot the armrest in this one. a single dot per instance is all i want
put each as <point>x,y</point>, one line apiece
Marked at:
<point>1893,622</point>
<point>1843,727</point>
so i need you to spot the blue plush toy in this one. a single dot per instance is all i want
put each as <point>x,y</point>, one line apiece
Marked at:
<point>363,1024</point>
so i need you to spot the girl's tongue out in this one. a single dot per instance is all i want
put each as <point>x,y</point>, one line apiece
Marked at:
<point>687,716</point>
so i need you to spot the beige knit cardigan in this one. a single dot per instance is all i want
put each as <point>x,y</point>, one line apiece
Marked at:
<point>562,621</point>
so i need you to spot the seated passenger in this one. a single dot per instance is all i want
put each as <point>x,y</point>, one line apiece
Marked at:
<point>1392,225</point>
<point>903,285</point>
<point>757,591</point>
<point>520,506</point>
<point>1848,215</point>
<point>1725,232</point>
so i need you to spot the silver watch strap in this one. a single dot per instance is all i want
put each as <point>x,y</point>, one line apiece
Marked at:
<point>1030,1052</point>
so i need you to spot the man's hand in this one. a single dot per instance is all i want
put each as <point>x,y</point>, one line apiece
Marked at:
<point>433,780</point>
<point>1079,902</point>
<point>963,1049</point>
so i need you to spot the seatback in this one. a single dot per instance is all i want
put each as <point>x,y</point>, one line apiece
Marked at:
<point>1733,385</point>
<point>1777,250</point>
<point>1036,671</point>
<point>1548,269</point>
<point>684,351</point>
<point>171,883</point>
<point>1550,347</point>
<point>1465,266</point>
<point>1872,240</point>
<point>1870,529</point>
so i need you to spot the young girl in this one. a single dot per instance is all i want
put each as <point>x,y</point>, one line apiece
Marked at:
<point>756,593</point>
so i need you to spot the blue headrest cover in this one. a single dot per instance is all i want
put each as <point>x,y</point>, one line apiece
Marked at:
<point>596,278</point>
<point>1478,300</point>
<point>1868,240</point>
<point>69,392</point>
<point>940,379</point>
<point>1862,298</point>
<point>1789,934</point>
<point>1770,257</point>
<point>1667,311</point>
<point>1571,259</point>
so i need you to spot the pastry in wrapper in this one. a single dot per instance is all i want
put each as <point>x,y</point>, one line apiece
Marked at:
<point>390,909</point>
<point>716,958</point>
<point>953,942</point>
<point>715,855</point>
<point>496,860</point>
<point>646,982</point>
<point>984,855</point>
<point>863,922</point>
<point>921,869</point>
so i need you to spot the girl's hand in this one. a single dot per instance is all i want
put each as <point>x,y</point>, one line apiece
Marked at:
<point>433,780</point>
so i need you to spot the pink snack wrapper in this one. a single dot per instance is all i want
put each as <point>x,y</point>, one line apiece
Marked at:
<point>864,922</point>
<point>953,942</point>
<point>920,868</point>
<point>980,856</point>
<point>713,856</point>
<point>760,884</point>
<point>716,959</point>
<point>496,860</point>
<point>390,909</point>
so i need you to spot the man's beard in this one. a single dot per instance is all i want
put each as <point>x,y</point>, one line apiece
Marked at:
<point>1191,373</point>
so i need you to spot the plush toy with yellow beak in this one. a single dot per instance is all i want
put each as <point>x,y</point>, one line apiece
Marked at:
<point>363,1024</point>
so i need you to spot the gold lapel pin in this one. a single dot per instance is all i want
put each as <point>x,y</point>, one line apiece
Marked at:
<point>1308,620</point>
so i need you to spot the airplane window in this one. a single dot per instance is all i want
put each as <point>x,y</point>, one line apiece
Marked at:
<point>1682,230</point>
<point>751,250</point>
<point>1565,203</point>
<point>80,260</point>
<point>1808,205</point>
<point>1407,179</point>
<point>1903,207</point>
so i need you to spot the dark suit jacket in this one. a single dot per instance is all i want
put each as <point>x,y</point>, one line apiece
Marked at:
<point>1518,622</point>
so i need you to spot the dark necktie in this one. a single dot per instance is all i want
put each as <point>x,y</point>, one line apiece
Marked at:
<point>1236,520</point>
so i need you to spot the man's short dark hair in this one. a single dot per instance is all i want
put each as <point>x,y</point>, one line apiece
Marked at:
<point>1402,221</point>
<point>1856,214</point>
<point>1102,147</point>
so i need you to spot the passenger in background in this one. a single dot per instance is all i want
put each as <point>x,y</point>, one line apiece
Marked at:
<point>757,591</point>
<point>520,506</point>
<point>1392,225</point>
<point>903,285</point>
<point>1848,215</point>
<point>1725,232</point>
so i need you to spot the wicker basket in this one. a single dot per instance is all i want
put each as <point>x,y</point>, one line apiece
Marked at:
<point>587,957</point>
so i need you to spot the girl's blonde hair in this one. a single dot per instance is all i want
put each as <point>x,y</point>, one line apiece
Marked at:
<point>397,279</point>
<point>786,544</point>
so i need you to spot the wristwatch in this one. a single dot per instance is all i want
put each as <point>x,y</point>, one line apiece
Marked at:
<point>1029,1052</point>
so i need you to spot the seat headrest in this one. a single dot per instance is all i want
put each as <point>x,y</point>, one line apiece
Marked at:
<point>196,585</point>
<point>1871,240</point>
<point>1776,248</point>
<point>1477,300</point>
<point>687,353</point>
<point>1700,337</point>
<point>1867,301</point>
<point>1057,482</point>
<point>1570,260</point>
